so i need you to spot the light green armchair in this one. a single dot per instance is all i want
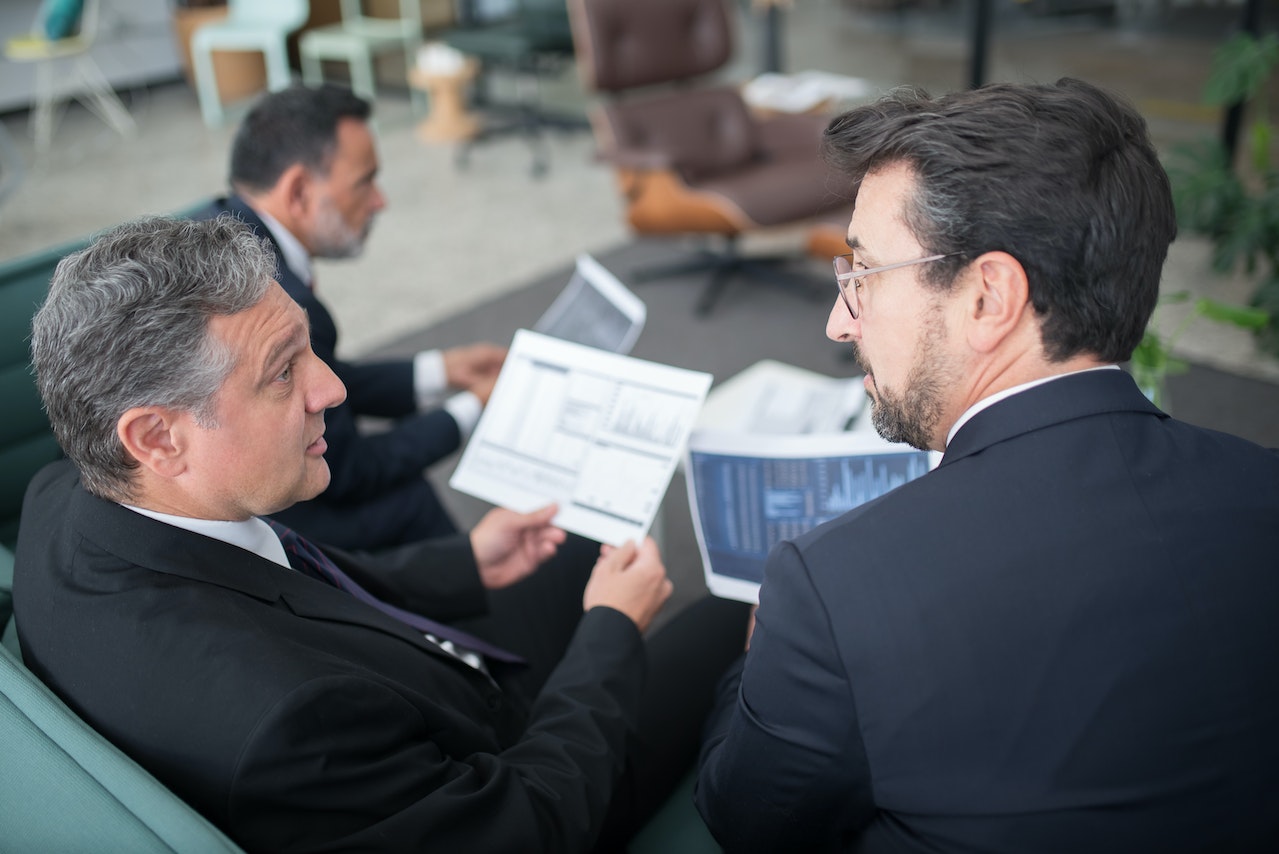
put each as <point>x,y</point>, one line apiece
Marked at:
<point>67,789</point>
<point>26,440</point>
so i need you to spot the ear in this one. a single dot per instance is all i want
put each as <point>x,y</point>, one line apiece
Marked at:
<point>998,300</point>
<point>153,435</point>
<point>295,191</point>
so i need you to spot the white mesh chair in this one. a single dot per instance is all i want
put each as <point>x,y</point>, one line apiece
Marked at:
<point>65,69</point>
<point>250,25</point>
<point>357,39</point>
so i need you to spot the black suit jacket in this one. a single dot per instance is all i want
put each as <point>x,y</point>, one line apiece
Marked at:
<point>377,478</point>
<point>299,719</point>
<point>1063,639</point>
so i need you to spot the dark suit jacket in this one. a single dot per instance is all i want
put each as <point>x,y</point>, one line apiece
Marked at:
<point>297,718</point>
<point>1065,638</point>
<point>376,477</point>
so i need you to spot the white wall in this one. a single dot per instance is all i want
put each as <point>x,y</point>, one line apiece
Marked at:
<point>134,46</point>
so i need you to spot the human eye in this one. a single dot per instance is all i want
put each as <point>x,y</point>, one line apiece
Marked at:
<point>286,375</point>
<point>859,266</point>
<point>859,280</point>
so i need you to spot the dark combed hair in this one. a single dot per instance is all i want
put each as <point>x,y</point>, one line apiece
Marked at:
<point>1061,176</point>
<point>294,125</point>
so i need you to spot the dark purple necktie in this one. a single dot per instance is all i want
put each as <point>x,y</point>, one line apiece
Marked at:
<point>307,558</point>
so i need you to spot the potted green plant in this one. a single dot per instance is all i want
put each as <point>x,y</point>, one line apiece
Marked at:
<point>1153,360</point>
<point>1237,209</point>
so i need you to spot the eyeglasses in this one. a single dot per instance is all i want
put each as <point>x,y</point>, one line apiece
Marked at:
<point>844,272</point>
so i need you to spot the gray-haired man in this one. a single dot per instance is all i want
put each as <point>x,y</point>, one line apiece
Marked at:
<point>447,697</point>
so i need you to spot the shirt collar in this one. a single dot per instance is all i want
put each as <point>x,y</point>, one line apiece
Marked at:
<point>1009,392</point>
<point>295,254</point>
<point>252,535</point>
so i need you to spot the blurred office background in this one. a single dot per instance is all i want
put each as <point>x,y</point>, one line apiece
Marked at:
<point>459,235</point>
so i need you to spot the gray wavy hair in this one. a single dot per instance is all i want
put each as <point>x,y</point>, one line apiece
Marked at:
<point>126,324</point>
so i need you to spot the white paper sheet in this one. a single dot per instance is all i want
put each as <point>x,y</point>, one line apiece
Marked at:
<point>776,398</point>
<point>598,433</point>
<point>803,91</point>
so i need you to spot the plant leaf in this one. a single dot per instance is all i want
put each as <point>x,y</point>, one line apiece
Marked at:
<point>1149,356</point>
<point>1239,67</point>
<point>1206,192</point>
<point>1260,137</point>
<point>1245,317</point>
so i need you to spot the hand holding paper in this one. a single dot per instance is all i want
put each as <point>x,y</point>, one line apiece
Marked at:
<point>630,579</point>
<point>465,367</point>
<point>508,546</point>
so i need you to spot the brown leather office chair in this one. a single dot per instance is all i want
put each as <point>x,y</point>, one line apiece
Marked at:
<point>693,158</point>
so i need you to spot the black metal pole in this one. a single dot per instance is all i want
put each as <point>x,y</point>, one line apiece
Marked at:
<point>981,37</point>
<point>1250,23</point>
<point>773,38</point>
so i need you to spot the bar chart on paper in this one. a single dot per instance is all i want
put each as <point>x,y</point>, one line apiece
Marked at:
<point>597,433</point>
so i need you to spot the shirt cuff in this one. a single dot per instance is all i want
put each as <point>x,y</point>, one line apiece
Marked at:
<point>465,409</point>
<point>429,378</point>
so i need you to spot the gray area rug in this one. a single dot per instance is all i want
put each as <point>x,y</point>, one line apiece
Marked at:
<point>752,321</point>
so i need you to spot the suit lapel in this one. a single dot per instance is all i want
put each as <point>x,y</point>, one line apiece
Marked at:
<point>158,547</point>
<point>1071,397</point>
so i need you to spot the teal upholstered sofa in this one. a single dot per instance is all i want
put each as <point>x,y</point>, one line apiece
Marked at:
<point>26,442</point>
<point>63,787</point>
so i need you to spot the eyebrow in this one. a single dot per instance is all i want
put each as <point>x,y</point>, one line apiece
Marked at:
<point>297,340</point>
<point>855,245</point>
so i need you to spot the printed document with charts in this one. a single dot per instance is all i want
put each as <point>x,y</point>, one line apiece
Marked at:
<point>598,433</point>
<point>749,491</point>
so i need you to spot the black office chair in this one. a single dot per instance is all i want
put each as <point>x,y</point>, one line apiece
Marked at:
<point>534,41</point>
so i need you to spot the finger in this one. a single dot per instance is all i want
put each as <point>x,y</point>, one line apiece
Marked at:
<point>543,515</point>
<point>620,557</point>
<point>649,549</point>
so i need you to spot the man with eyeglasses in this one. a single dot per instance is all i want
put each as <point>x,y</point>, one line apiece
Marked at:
<point>1063,638</point>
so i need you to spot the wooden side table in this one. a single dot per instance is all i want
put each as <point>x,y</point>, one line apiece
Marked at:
<point>448,120</point>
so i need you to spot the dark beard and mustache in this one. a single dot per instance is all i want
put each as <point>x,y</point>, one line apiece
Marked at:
<point>912,416</point>
<point>333,238</point>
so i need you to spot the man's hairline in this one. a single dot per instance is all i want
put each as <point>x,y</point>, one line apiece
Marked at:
<point>328,155</point>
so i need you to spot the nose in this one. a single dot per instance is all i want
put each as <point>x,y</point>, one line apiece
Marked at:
<point>379,199</point>
<point>840,325</point>
<point>325,390</point>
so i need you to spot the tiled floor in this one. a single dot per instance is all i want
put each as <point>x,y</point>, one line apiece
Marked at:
<point>452,238</point>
